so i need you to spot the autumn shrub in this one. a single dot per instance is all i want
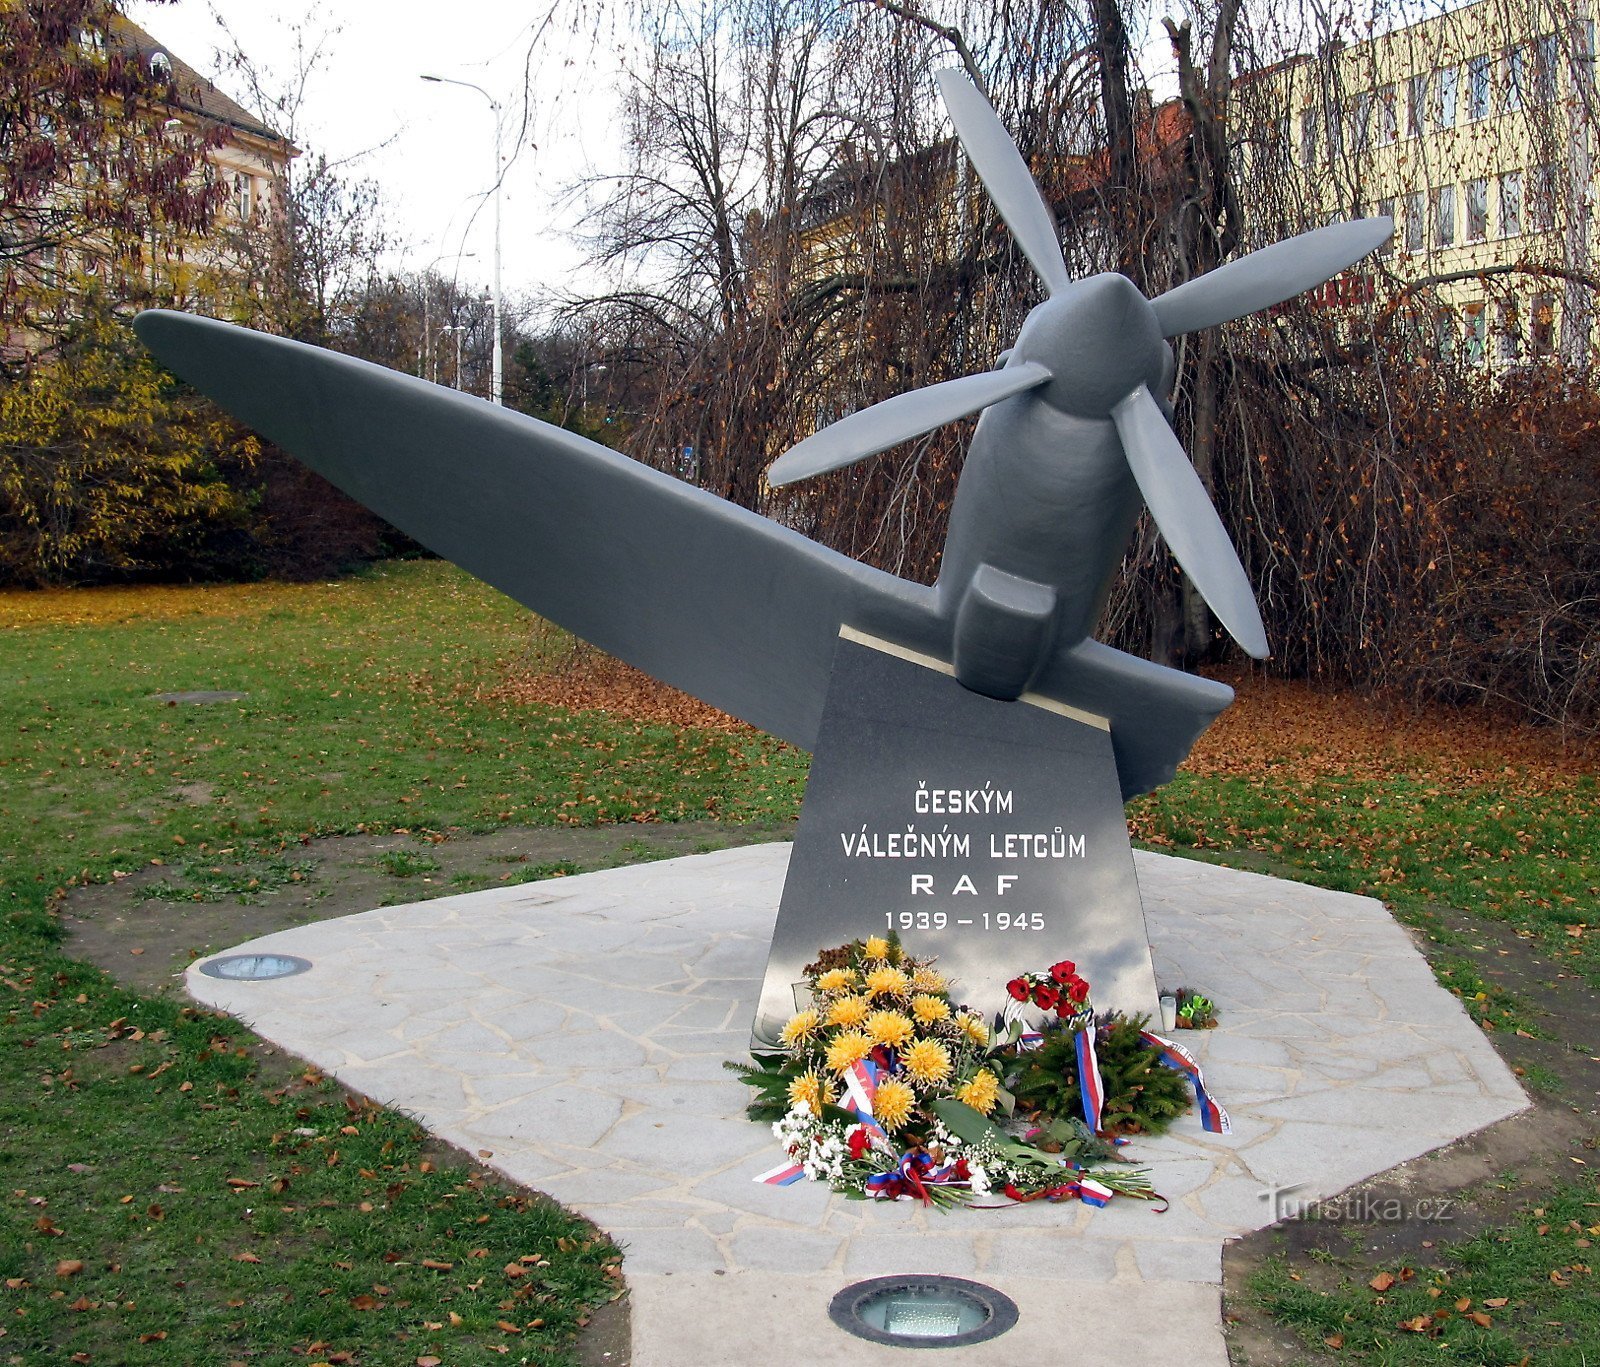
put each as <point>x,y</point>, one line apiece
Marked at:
<point>111,470</point>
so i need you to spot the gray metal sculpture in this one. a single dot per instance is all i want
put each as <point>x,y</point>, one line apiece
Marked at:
<point>746,614</point>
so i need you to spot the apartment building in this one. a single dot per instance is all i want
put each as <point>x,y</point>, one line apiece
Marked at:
<point>1473,129</point>
<point>250,158</point>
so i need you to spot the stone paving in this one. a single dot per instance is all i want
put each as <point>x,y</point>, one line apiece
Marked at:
<point>576,1028</point>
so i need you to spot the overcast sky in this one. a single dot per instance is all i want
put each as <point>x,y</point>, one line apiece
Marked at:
<point>431,146</point>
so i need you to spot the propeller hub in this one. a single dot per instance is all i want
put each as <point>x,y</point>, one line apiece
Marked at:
<point>1100,339</point>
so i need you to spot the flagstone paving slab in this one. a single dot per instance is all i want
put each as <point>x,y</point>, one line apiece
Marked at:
<point>576,1029</point>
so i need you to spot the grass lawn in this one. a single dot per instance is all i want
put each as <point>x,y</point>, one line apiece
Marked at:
<point>171,1193</point>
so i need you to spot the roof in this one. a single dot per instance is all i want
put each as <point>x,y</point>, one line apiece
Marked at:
<point>195,93</point>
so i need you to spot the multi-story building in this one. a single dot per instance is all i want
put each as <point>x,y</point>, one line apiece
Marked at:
<point>250,160</point>
<point>1473,129</point>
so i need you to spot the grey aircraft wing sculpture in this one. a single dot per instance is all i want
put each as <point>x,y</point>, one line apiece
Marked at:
<point>745,613</point>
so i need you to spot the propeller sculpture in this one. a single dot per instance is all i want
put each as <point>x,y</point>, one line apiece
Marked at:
<point>745,613</point>
<point>1095,350</point>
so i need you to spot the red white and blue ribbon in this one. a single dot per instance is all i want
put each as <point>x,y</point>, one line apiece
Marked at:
<point>861,1089</point>
<point>913,1174</point>
<point>785,1174</point>
<point>1093,1193</point>
<point>1089,1080</point>
<point>1212,1117</point>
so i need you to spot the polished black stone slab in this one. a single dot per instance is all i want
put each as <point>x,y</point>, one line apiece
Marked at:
<point>988,833</point>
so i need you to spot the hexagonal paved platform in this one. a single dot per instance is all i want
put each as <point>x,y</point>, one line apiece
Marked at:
<point>577,1028</point>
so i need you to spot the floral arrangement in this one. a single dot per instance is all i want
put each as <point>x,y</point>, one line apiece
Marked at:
<point>883,1087</point>
<point>1060,990</point>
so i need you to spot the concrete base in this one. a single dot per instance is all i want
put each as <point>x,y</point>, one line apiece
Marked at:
<point>577,1028</point>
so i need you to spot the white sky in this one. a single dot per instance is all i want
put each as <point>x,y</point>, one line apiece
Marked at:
<point>430,146</point>
<point>433,143</point>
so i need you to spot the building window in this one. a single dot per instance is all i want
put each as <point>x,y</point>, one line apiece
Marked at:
<point>1386,210</point>
<point>1477,210</point>
<point>1542,199</point>
<point>1361,123</point>
<point>1416,105</point>
<point>1477,334</point>
<point>1445,83</point>
<point>1444,334</point>
<point>1546,63</point>
<point>243,194</point>
<point>1516,77</point>
<point>1335,134</point>
<point>1308,138</point>
<point>1414,221</point>
<point>161,66</point>
<point>1388,122</point>
<point>1444,216</point>
<point>1543,331</point>
<point>1511,204</point>
<point>1478,87</point>
<point>1507,331</point>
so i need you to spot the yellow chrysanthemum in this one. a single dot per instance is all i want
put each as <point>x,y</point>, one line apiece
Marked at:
<point>973,1028</point>
<point>892,1104</point>
<point>876,947</point>
<point>808,1090</point>
<point>887,982</point>
<point>836,979</point>
<point>927,1061</point>
<point>926,980</point>
<point>849,1012</point>
<point>850,1047</point>
<point>800,1027</point>
<point>890,1027</point>
<point>930,1009</point>
<point>980,1091</point>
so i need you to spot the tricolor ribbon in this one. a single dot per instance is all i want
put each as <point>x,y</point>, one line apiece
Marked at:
<point>785,1174</point>
<point>913,1174</point>
<point>1212,1117</point>
<point>1093,1193</point>
<point>1090,1083</point>
<point>861,1090</point>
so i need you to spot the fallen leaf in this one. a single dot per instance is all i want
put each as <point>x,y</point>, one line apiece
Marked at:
<point>508,1326</point>
<point>246,1258</point>
<point>69,1267</point>
<point>1495,1302</point>
<point>1480,1319</point>
<point>435,1265</point>
<point>364,1302</point>
<point>1419,1325</point>
<point>1382,1282</point>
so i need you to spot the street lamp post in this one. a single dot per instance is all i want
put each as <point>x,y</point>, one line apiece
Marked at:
<point>494,104</point>
<point>429,370</point>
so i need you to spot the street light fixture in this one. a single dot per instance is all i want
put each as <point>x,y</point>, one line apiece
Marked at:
<point>494,104</point>
<point>428,369</point>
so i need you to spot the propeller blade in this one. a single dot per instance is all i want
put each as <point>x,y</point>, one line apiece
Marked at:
<point>899,419</point>
<point>1269,276</point>
<point>1178,502</point>
<point>1006,177</point>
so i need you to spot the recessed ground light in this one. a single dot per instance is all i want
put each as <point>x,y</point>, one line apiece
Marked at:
<point>254,967</point>
<point>923,1312</point>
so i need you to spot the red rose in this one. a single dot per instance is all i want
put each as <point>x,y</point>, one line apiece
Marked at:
<point>962,1172</point>
<point>1063,971</point>
<point>1018,989</point>
<point>1078,990</point>
<point>1045,996</point>
<point>1064,1008</point>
